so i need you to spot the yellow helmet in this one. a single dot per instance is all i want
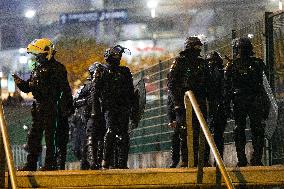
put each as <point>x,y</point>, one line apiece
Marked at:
<point>41,46</point>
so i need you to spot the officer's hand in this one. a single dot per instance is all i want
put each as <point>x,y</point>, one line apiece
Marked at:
<point>17,79</point>
<point>75,104</point>
<point>172,124</point>
<point>133,124</point>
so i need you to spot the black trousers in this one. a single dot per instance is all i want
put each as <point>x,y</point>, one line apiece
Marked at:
<point>95,132</point>
<point>117,128</point>
<point>217,124</point>
<point>44,121</point>
<point>250,107</point>
<point>179,139</point>
<point>62,136</point>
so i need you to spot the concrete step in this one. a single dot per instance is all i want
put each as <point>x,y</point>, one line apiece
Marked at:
<point>251,177</point>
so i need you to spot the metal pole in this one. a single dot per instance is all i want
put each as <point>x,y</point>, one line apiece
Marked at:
<point>234,36</point>
<point>188,108</point>
<point>1,75</point>
<point>209,139</point>
<point>7,147</point>
<point>2,151</point>
<point>2,163</point>
<point>269,48</point>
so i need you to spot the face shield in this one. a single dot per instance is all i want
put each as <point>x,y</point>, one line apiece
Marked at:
<point>37,58</point>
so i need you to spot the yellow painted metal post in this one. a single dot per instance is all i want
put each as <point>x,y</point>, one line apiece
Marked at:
<point>210,139</point>
<point>7,147</point>
<point>201,153</point>
<point>188,107</point>
<point>2,163</point>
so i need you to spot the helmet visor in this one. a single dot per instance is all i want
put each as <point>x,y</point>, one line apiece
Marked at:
<point>119,50</point>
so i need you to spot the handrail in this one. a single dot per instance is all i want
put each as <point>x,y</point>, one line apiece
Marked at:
<point>190,100</point>
<point>7,147</point>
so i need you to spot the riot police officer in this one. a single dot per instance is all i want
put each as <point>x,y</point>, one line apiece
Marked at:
<point>218,108</point>
<point>50,88</point>
<point>114,85</point>
<point>78,135</point>
<point>78,124</point>
<point>94,124</point>
<point>179,142</point>
<point>244,77</point>
<point>188,72</point>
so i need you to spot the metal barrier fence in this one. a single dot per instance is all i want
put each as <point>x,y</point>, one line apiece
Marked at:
<point>276,23</point>
<point>19,155</point>
<point>153,135</point>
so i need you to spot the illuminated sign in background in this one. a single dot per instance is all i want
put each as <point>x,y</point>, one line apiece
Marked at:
<point>94,16</point>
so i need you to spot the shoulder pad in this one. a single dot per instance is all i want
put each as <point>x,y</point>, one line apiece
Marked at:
<point>174,64</point>
<point>201,59</point>
<point>98,65</point>
<point>76,95</point>
<point>99,70</point>
<point>87,82</point>
<point>125,68</point>
<point>228,66</point>
<point>258,59</point>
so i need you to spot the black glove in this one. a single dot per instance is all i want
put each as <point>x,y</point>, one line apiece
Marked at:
<point>133,124</point>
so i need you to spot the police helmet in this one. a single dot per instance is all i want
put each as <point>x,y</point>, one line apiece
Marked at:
<point>192,41</point>
<point>115,52</point>
<point>243,45</point>
<point>39,47</point>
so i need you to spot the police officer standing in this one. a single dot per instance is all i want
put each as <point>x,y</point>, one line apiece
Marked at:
<point>244,77</point>
<point>78,135</point>
<point>218,108</point>
<point>94,124</point>
<point>50,88</point>
<point>114,85</point>
<point>188,72</point>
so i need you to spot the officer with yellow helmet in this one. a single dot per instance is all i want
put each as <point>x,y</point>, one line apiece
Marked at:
<point>50,88</point>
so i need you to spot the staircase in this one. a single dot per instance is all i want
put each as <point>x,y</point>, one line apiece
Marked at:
<point>246,177</point>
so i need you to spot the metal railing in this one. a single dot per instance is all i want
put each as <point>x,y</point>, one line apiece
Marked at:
<point>191,102</point>
<point>19,155</point>
<point>7,150</point>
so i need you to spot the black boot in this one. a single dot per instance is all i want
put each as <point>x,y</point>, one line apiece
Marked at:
<point>84,164</point>
<point>242,159</point>
<point>31,164</point>
<point>183,147</point>
<point>175,149</point>
<point>258,151</point>
<point>92,153</point>
<point>109,143</point>
<point>48,168</point>
<point>240,143</point>
<point>100,153</point>
<point>61,159</point>
<point>123,152</point>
